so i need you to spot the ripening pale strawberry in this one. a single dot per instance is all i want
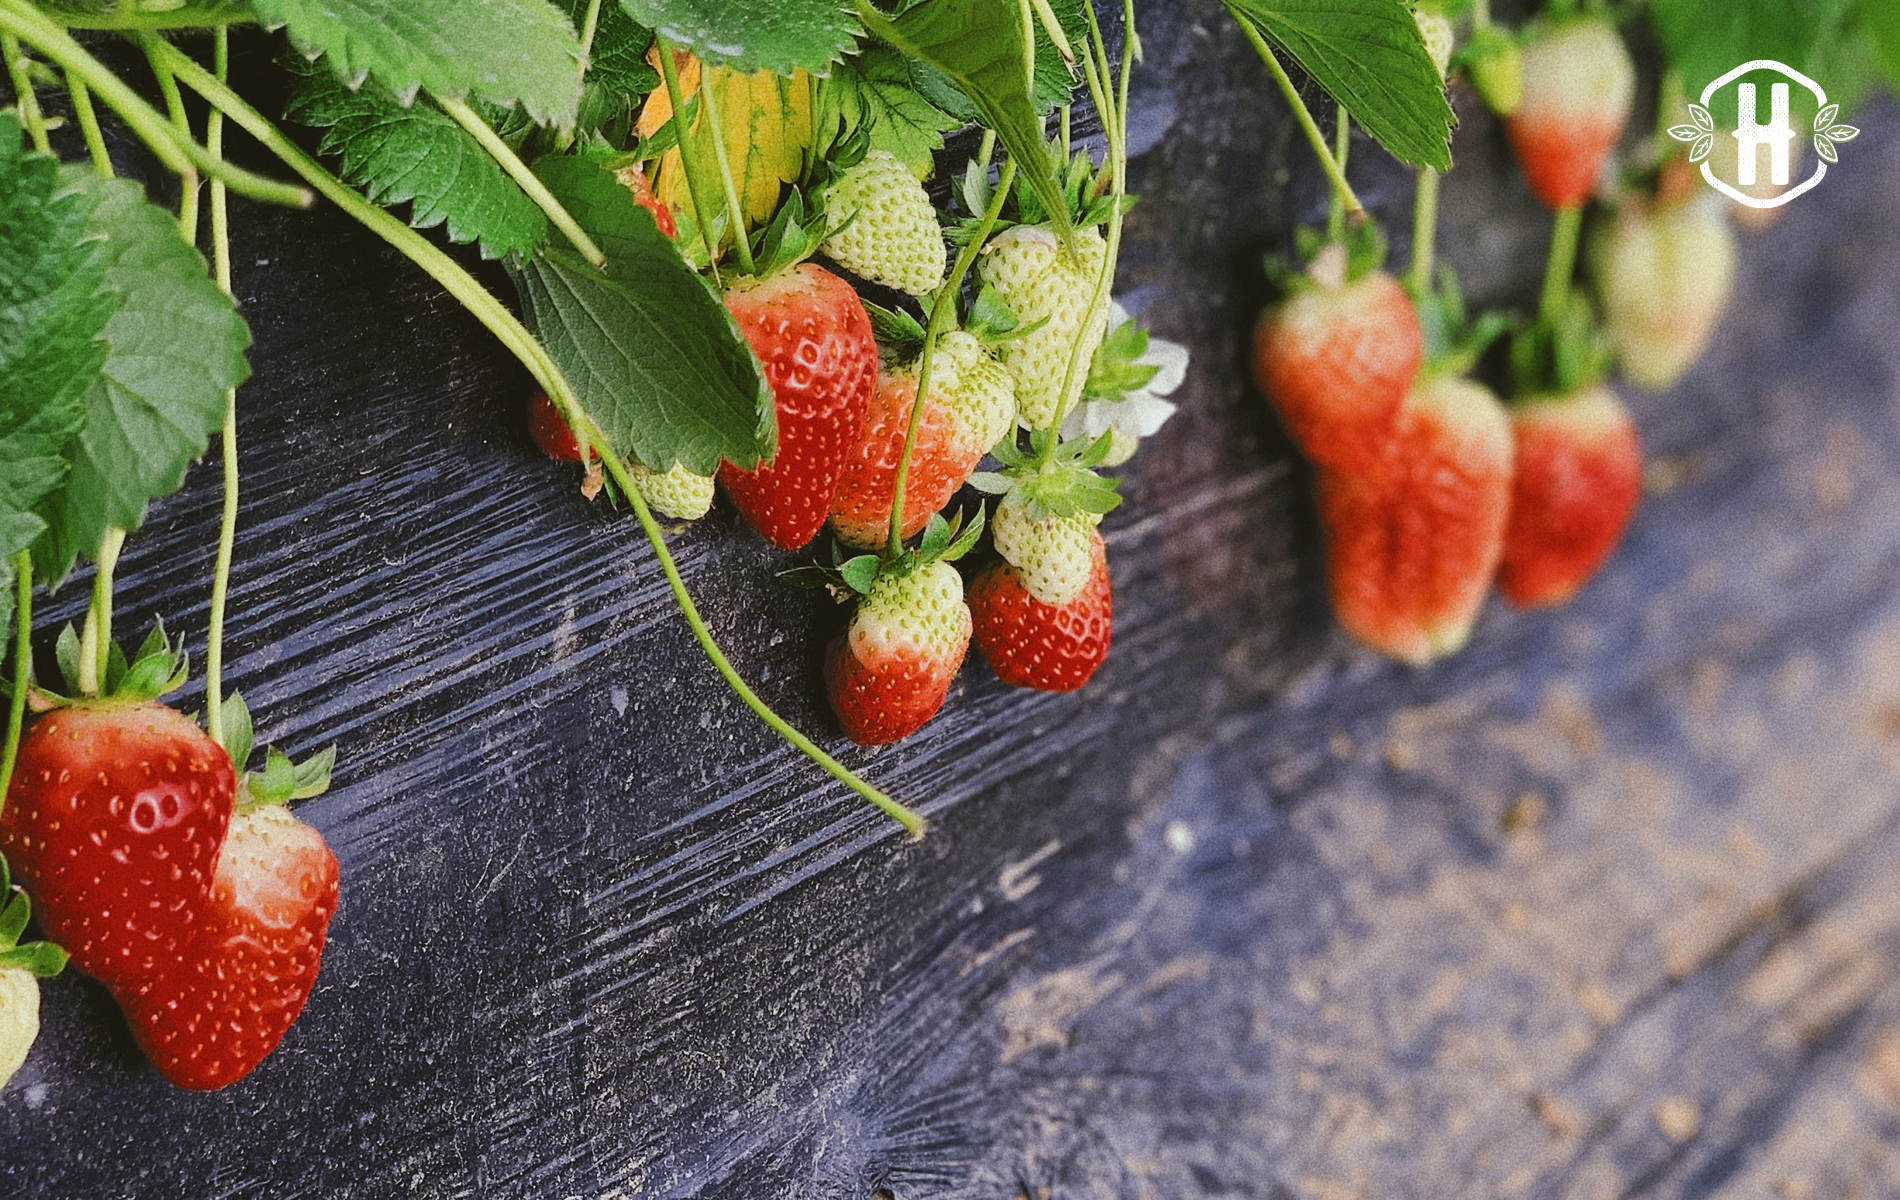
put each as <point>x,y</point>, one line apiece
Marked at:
<point>890,670</point>
<point>884,226</point>
<point>1663,278</point>
<point>635,180</point>
<point>1042,282</point>
<point>1412,544</point>
<point>19,1018</point>
<point>1495,66</point>
<point>944,456</point>
<point>813,337</point>
<point>1579,473</point>
<point>985,393</point>
<point>1053,557</point>
<point>1336,360</point>
<point>1033,643</point>
<point>1440,41</point>
<point>678,493</point>
<point>210,1017</point>
<point>1578,84</point>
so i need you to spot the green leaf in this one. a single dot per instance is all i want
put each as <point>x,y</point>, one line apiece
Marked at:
<point>1369,56</point>
<point>860,573</point>
<point>43,959</point>
<point>66,653</point>
<point>174,347</point>
<point>748,35</point>
<point>1881,21</point>
<point>983,47</point>
<point>617,60</point>
<point>417,155</point>
<point>1113,372</point>
<point>873,91</point>
<point>502,51</point>
<point>13,917</point>
<point>656,360</point>
<point>53,309</point>
<point>1055,80</point>
<point>312,775</point>
<point>1705,41</point>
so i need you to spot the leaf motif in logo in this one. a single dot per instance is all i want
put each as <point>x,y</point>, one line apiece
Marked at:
<point>1701,117</point>
<point>1842,133</point>
<point>1825,117</point>
<point>1685,133</point>
<point>1825,148</point>
<point>1701,149</point>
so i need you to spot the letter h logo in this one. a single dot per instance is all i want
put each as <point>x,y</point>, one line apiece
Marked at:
<point>1752,134</point>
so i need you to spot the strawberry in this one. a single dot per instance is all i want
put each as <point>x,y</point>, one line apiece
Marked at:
<point>550,431</point>
<point>1579,470</point>
<point>1336,359</point>
<point>1050,288</point>
<point>21,968</point>
<point>677,493</point>
<point>890,670</point>
<point>635,179</point>
<point>946,452</point>
<point>985,392</point>
<point>1578,84</point>
<point>208,1018</point>
<point>884,227</point>
<point>1495,66</point>
<point>1413,541</point>
<point>1663,277</point>
<point>1054,557</point>
<point>1034,643</point>
<point>813,337</point>
<point>113,823</point>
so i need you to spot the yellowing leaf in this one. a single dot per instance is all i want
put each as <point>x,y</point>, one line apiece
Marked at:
<point>766,120</point>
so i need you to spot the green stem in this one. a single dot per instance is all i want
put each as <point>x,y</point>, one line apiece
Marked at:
<point>22,666</point>
<point>513,335</point>
<point>590,24</point>
<point>179,155</point>
<point>669,71</point>
<point>1480,14</point>
<point>132,22</point>
<point>1424,230</point>
<point>175,106</point>
<point>741,245</point>
<point>89,125</point>
<point>29,101</point>
<point>1318,140</point>
<point>518,171</point>
<point>95,649</point>
<point>227,522</point>
<point>1068,140</point>
<point>1562,262</point>
<point>941,307</point>
<point>1342,144</point>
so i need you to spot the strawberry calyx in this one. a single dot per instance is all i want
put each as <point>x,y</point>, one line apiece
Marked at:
<point>281,780</point>
<point>1324,262</point>
<point>1561,354</point>
<point>1086,194</point>
<point>43,959</point>
<point>793,236</point>
<point>849,576</point>
<point>1063,486</point>
<point>1454,339</point>
<point>160,666</point>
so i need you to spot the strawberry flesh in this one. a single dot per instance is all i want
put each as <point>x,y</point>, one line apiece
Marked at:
<point>1579,473</point>
<point>1029,644</point>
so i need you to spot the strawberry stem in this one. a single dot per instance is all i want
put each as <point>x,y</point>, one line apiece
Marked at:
<point>1342,145</point>
<point>669,71</point>
<point>530,183</point>
<point>28,100</point>
<point>1424,230</point>
<point>513,335</point>
<point>89,124</point>
<point>941,307</point>
<point>227,522</point>
<point>1341,188</point>
<point>1562,263</point>
<point>22,666</point>
<point>175,106</point>
<point>741,245</point>
<point>95,645</point>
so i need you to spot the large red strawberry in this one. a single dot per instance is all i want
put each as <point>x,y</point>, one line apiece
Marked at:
<point>1578,84</point>
<point>113,823</point>
<point>1032,643</point>
<point>217,1011</point>
<point>890,670</point>
<point>1579,472</point>
<point>1412,544</point>
<point>1336,359</point>
<point>814,338</point>
<point>946,452</point>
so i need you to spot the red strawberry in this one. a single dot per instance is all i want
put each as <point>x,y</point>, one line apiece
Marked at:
<point>550,431</point>
<point>222,1007</point>
<point>812,334</point>
<point>1578,87</point>
<point>113,823</point>
<point>891,669</point>
<point>1579,469</point>
<point>1336,360</point>
<point>1049,647</point>
<point>1412,544</point>
<point>946,452</point>
<point>635,179</point>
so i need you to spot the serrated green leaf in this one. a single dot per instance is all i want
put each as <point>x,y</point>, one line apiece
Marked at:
<point>417,155</point>
<point>174,346</point>
<point>1369,56</point>
<point>983,47</point>
<point>782,36</point>
<point>1055,80</point>
<point>873,90</point>
<point>502,51</point>
<point>653,355</point>
<point>617,60</point>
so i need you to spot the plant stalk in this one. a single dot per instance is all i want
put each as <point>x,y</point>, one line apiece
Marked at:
<point>175,106</point>
<point>1318,140</point>
<point>22,666</point>
<point>518,171</point>
<point>1562,263</point>
<point>227,521</point>
<point>1342,145</point>
<point>95,647</point>
<point>741,245</point>
<point>669,71</point>
<point>1424,230</point>
<point>89,125</point>
<point>28,100</point>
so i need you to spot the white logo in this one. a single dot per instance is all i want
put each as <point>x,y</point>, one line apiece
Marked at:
<point>1751,134</point>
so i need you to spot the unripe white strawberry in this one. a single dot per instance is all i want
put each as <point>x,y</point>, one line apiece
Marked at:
<point>1439,39</point>
<point>19,1018</point>
<point>677,493</point>
<point>984,394</point>
<point>1053,556</point>
<point>889,231</point>
<point>1043,282</point>
<point>1663,278</point>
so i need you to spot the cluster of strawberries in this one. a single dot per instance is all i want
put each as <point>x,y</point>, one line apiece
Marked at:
<point>191,893</point>
<point>846,407</point>
<point>1429,487</point>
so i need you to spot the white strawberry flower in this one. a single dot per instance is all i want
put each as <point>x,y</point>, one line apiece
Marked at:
<point>1136,411</point>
